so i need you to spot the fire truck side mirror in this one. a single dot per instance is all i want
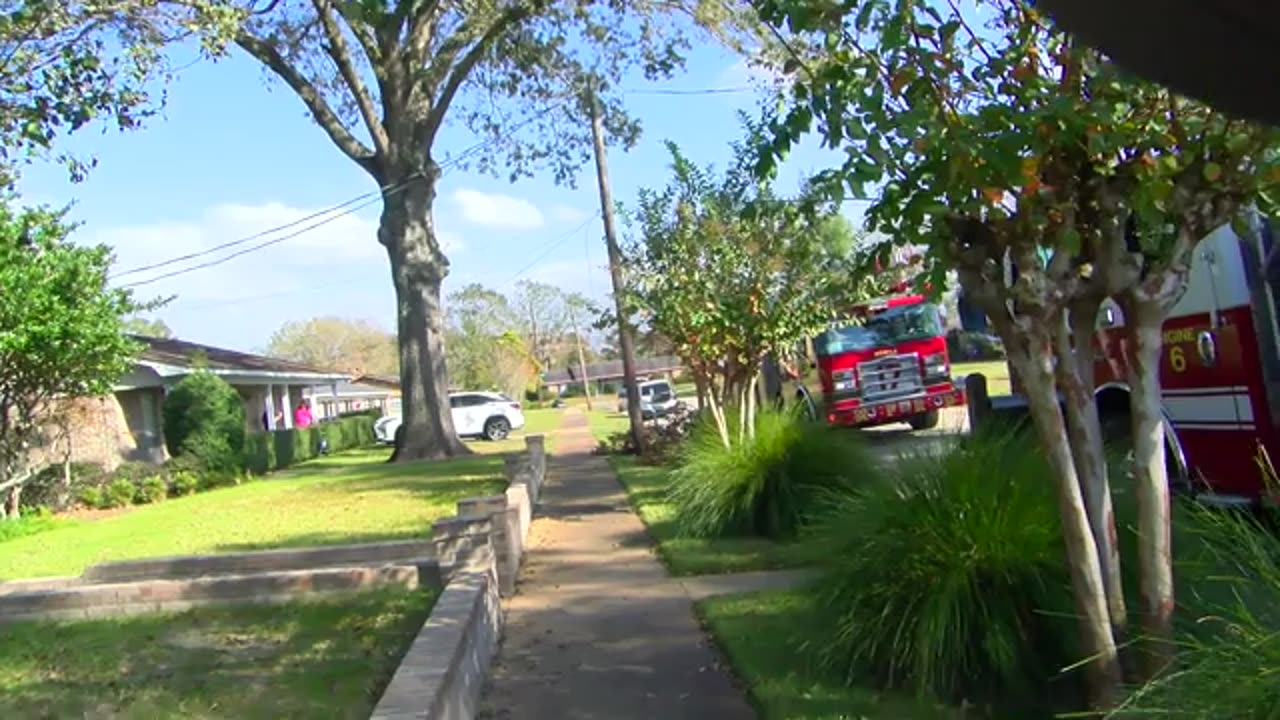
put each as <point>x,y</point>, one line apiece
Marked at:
<point>1208,348</point>
<point>1108,316</point>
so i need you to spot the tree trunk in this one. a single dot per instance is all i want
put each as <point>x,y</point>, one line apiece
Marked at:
<point>418,269</point>
<point>13,502</point>
<point>1084,428</point>
<point>1033,364</point>
<point>1155,545</point>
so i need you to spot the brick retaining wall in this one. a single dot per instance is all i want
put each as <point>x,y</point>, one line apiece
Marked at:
<point>443,673</point>
<point>115,599</point>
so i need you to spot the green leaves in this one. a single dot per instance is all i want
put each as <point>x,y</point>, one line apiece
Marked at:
<point>60,324</point>
<point>62,72</point>
<point>728,271</point>
<point>981,111</point>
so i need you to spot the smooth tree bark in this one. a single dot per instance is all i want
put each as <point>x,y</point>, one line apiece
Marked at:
<point>1029,315</point>
<point>1076,379</point>
<point>1032,358</point>
<point>1144,317</point>
<point>1197,207</point>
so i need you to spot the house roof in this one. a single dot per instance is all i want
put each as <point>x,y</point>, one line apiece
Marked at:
<point>612,369</point>
<point>358,389</point>
<point>385,382</point>
<point>169,356</point>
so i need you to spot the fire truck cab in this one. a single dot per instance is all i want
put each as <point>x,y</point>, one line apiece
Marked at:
<point>1220,371</point>
<point>886,363</point>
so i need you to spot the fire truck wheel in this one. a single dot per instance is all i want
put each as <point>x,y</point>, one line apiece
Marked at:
<point>924,421</point>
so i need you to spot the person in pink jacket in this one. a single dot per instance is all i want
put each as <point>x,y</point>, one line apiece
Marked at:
<point>302,416</point>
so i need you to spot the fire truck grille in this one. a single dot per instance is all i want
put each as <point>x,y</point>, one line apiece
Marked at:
<point>890,377</point>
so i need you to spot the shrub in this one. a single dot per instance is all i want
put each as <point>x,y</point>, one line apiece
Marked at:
<point>1231,648</point>
<point>767,485</point>
<point>184,482</point>
<point>91,497</point>
<point>118,493</point>
<point>151,489</point>
<point>132,471</point>
<point>214,479</point>
<point>948,577</point>
<point>264,452</point>
<point>50,490</point>
<point>204,418</point>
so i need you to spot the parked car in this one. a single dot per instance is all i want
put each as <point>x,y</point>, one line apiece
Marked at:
<point>487,415</point>
<point>657,398</point>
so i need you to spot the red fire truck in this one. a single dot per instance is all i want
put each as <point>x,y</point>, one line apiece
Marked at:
<point>1220,371</point>
<point>887,363</point>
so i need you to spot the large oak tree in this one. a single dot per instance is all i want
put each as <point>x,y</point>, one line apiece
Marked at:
<point>383,78</point>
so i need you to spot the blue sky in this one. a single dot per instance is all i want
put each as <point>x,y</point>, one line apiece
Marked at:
<point>234,154</point>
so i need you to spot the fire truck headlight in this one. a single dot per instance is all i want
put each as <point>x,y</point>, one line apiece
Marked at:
<point>936,366</point>
<point>843,380</point>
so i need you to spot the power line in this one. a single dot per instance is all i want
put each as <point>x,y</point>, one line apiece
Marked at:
<point>555,243</point>
<point>251,238</point>
<point>259,246</point>
<point>691,91</point>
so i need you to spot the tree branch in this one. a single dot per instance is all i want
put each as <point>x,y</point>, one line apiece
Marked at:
<point>265,53</point>
<point>509,18</point>
<point>338,49</point>
<point>421,25</point>
<point>363,32</point>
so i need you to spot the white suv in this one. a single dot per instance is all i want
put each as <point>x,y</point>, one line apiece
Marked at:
<point>488,415</point>
<point>657,398</point>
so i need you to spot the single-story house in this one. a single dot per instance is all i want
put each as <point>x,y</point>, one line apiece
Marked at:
<point>128,425</point>
<point>610,371</point>
<point>365,392</point>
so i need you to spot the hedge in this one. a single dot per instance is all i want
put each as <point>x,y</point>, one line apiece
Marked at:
<point>267,451</point>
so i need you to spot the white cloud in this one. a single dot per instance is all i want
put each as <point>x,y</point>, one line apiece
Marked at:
<point>568,214</point>
<point>333,268</point>
<point>496,210</point>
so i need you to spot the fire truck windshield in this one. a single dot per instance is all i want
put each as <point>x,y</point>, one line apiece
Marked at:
<point>890,327</point>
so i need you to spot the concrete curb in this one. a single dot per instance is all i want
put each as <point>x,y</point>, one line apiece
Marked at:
<point>116,599</point>
<point>443,674</point>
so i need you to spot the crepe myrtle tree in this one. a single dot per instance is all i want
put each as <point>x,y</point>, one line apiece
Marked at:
<point>1049,181</point>
<point>383,78</point>
<point>61,335</point>
<point>730,273</point>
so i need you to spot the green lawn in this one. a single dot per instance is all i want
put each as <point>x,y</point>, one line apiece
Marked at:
<point>647,488</point>
<point>351,497</point>
<point>304,660</point>
<point>604,421</point>
<point>764,636</point>
<point>997,373</point>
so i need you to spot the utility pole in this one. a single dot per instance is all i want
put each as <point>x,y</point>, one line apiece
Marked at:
<point>582,358</point>
<point>625,344</point>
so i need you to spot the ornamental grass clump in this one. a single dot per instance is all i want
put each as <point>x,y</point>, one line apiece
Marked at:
<point>947,577</point>
<point>1228,662</point>
<point>768,483</point>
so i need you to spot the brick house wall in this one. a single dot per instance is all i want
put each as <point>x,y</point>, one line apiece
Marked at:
<point>106,430</point>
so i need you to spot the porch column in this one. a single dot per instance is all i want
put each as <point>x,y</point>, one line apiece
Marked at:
<point>270,406</point>
<point>287,406</point>
<point>332,405</point>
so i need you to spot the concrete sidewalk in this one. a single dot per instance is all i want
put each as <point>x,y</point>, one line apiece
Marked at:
<point>598,629</point>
